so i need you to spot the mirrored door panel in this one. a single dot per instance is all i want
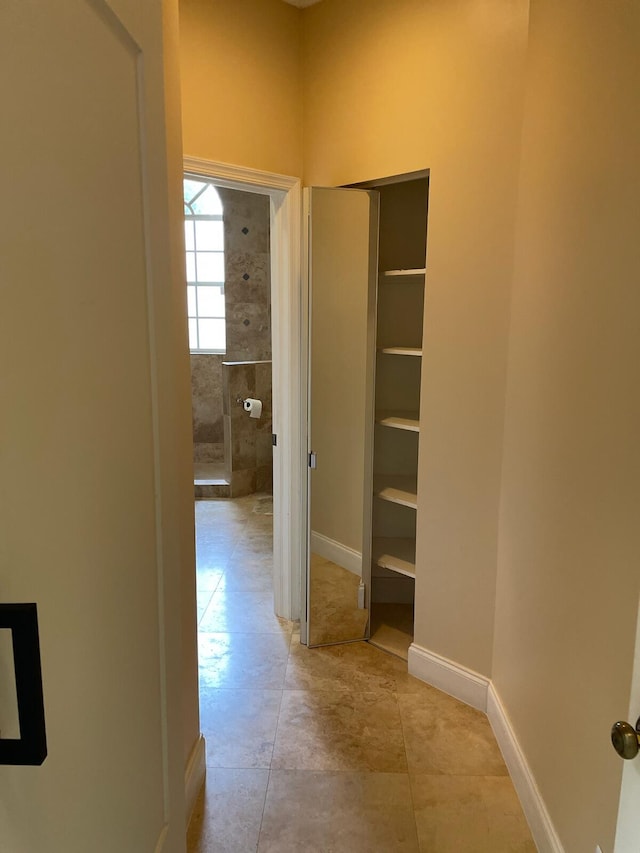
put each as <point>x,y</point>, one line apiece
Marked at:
<point>342,258</point>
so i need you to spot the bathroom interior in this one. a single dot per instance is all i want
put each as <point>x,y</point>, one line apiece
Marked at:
<point>227,234</point>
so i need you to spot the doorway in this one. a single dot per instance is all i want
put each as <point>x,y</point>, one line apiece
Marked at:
<point>227,239</point>
<point>288,452</point>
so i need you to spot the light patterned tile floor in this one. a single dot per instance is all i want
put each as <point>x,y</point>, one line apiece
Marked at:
<point>331,750</point>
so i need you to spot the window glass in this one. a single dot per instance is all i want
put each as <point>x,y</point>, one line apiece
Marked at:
<point>193,334</point>
<point>208,202</point>
<point>188,236</point>
<point>191,302</point>
<point>204,244</point>
<point>211,334</point>
<point>191,266</point>
<point>210,266</point>
<point>209,235</point>
<point>210,302</point>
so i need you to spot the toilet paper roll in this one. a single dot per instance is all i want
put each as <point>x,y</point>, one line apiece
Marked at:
<point>254,407</point>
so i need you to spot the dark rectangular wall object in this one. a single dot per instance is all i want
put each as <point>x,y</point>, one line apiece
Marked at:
<point>31,747</point>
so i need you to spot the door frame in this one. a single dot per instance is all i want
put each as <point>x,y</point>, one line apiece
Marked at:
<point>289,475</point>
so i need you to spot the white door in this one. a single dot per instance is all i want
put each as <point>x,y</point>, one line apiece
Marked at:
<point>628,829</point>
<point>87,530</point>
<point>341,250</point>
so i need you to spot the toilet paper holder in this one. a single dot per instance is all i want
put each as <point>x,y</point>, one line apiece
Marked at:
<point>251,405</point>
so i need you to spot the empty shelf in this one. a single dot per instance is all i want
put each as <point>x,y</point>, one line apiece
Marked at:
<point>398,555</point>
<point>399,420</point>
<point>404,273</point>
<point>415,351</point>
<point>397,489</point>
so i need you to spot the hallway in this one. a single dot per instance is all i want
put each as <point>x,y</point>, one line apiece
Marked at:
<point>334,749</point>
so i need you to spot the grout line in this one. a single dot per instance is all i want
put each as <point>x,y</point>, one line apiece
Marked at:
<point>406,755</point>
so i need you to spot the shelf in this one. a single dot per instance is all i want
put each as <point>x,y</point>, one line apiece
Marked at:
<point>397,489</point>
<point>399,420</point>
<point>404,273</point>
<point>397,555</point>
<point>414,351</point>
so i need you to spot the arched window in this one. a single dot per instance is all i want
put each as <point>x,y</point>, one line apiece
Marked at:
<point>204,239</point>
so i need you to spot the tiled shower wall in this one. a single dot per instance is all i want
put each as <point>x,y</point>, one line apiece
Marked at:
<point>206,407</point>
<point>248,328</point>
<point>248,449</point>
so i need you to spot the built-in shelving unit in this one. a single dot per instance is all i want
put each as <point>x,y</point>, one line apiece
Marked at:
<point>400,312</point>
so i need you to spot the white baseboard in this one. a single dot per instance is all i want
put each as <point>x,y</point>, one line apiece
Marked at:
<point>464,684</point>
<point>533,805</point>
<point>478,691</point>
<point>194,774</point>
<point>338,553</point>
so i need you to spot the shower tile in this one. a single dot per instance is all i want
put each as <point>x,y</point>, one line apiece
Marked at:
<point>248,331</point>
<point>264,478</point>
<point>243,483</point>
<point>264,382</point>
<point>255,288</point>
<point>264,450</point>
<point>243,448</point>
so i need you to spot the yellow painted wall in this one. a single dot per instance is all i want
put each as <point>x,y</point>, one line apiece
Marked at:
<point>395,87</point>
<point>240,66</point>
<point>569,575</point>
<point>546,489</point>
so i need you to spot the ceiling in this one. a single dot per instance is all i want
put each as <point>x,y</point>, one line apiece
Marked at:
<point>301,4</point>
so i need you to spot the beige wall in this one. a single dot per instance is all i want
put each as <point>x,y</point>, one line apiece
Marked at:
<point>395,87</point>
<point>240,65</point>
<point>568,579</point>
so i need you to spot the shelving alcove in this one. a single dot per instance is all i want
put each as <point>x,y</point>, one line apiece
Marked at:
<point>399,340</point>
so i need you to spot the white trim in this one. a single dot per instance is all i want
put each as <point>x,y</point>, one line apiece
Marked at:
<point>194,776</point>
<point>288,472</point>
<point>533,805</point>
<point>464,684</point>
<point>338,553</point>
<point>230,176</point>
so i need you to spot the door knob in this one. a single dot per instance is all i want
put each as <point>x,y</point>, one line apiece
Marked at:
<point>626,739</point>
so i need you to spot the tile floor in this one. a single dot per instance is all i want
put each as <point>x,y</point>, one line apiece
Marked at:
<point>334,750</point>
